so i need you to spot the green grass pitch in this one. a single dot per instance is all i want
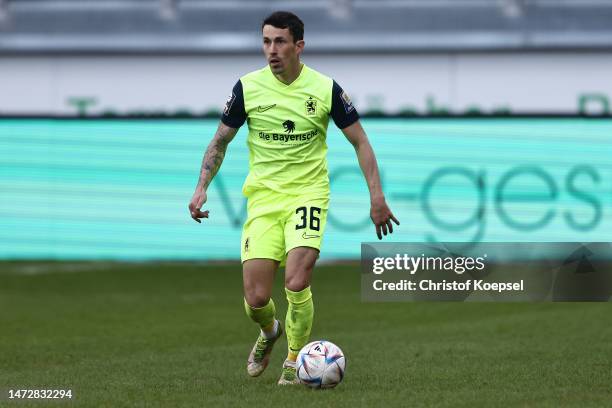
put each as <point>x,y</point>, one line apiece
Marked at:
<point>169,335</point>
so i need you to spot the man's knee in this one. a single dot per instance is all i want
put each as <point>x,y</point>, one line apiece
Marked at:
<point>299,280</point>
<point>257,298</point>
<point>300,263</point>
<point>258,277</point>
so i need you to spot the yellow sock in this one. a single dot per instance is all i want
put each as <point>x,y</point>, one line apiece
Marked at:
<point>263,316</point>
<point>300,313</point>
<point>268,328</point>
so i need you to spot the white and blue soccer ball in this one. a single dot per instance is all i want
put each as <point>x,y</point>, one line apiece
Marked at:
<point>320,364</point>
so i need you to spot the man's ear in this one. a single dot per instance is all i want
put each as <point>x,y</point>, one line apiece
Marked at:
<point>300,45</point>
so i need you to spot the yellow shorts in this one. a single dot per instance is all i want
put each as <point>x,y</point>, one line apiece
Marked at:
<point>277,223</point>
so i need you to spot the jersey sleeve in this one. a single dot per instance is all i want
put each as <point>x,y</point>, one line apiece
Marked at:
<point>342,110</point>
<point>234,113</point>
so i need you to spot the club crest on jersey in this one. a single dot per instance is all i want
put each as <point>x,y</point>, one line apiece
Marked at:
<point>346,101</point>
<point>228,104</point>
<point>311,107</point>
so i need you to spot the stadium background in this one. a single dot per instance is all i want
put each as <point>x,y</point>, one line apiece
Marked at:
<point>490,120</point>
<point>117,190</point>
<point>108,189</point>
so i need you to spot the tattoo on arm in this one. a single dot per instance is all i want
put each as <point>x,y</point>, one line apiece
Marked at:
<point>215,153</point>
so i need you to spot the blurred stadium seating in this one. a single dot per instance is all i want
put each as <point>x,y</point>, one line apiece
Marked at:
<point>200,26</point>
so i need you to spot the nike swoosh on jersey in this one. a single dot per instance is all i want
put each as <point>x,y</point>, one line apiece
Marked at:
<point>305,236</point>
<point>265,108</point>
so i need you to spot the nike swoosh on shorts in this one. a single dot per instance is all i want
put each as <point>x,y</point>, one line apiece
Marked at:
<point>309,236</point>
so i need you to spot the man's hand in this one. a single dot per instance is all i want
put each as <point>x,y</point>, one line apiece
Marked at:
<point>379,211</point>
<point>381,216</point>
<point>197,201</point>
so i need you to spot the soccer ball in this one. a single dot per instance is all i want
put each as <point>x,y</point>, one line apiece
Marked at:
<point>320,364</point>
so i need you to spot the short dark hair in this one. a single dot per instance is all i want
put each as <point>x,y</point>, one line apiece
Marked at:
<point>286,19</point>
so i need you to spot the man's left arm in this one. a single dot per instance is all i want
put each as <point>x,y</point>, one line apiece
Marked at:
<point>380,213</point>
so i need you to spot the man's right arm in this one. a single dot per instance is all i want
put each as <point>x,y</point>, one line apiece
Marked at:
<point>210,166</point>
<point>233,117</point>
<point>214,154</point>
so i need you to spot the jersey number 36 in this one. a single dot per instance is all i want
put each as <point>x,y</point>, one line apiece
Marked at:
<point>304,218</point>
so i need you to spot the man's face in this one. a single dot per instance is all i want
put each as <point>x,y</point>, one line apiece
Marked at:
<point>279,48</point>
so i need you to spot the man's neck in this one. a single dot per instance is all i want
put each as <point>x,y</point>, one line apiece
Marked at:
<point>290,75</point>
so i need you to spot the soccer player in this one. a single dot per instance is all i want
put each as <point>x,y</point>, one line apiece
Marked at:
<point>287,106</point>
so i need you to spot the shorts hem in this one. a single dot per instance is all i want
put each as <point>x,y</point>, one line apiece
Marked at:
<point>318,248</point>
<point>272,258</point>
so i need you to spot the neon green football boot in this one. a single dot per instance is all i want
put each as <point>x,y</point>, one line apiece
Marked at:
<point>289,374</point>
<point>260,354</point>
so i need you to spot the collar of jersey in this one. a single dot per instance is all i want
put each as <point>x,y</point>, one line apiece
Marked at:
<point>283,85</point>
